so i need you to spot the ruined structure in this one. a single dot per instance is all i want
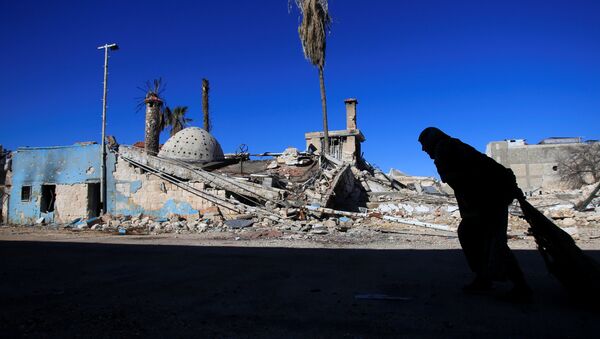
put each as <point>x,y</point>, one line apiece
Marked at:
<point>191,178</point>
<point>57,184</point>
<point>192,186</point>
<point>343,145</point>
<point>535,166</point>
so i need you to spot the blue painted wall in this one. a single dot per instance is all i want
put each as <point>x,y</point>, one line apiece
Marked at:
<point>122,204</point>
<point>76,164</point>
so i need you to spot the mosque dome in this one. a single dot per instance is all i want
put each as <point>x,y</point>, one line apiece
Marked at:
<point>192,144</point>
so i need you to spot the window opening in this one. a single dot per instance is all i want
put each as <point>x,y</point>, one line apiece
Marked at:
<point>25,193</point>
<point>48,198</point>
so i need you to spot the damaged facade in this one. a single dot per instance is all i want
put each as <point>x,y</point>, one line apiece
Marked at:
<point>535,166</point>
<point>345,144</point>
<point>57,184</point>
<point>60,184</point>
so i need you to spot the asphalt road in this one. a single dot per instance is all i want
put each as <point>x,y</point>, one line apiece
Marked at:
<point>50,289</point>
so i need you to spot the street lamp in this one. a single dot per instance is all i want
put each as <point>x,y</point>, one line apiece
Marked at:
<point>112,47</point>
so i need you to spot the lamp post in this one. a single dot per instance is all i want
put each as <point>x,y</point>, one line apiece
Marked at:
<point>112,47</point>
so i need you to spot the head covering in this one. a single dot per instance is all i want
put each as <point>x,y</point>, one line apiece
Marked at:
<point>430,137</point>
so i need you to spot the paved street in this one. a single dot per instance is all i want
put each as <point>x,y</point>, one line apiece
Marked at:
<point>51,289</point>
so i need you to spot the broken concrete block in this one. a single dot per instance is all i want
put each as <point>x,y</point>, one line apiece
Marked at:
<point>289,157</point>
<point>239,223</point>
<point>568,222</point>
<point>210,211</point>
<point>560,211</point>
<point>572,231</point>
<point>93,221</point>
<point>81,225</point>
<point>319,231</point>
<point>330,223</point>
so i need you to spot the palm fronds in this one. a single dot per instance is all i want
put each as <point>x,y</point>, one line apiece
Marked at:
<point>313,29</point>
<point>153,90</point>
<point>175,118</point>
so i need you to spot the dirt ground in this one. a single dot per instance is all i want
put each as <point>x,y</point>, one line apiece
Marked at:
<point>57,283</point>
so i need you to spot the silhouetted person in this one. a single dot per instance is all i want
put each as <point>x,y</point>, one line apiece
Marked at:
<point>483,190</point>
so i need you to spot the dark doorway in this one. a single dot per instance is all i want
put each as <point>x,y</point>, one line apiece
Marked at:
<point>48,198</point>
<point>93,204</point>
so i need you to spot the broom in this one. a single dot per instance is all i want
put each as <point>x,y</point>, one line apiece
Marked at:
<point>576,271</point>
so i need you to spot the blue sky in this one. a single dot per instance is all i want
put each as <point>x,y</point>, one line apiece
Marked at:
<point>480,70</point>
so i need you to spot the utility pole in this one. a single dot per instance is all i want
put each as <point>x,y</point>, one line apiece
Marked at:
<point>112,47</point>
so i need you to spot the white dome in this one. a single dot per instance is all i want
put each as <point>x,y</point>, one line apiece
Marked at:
<point>192,144</point>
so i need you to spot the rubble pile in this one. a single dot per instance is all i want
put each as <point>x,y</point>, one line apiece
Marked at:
<point>303,195</point>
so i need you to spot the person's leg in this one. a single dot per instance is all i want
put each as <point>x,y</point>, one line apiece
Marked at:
<point>502,261</point>
<point>470,235</point>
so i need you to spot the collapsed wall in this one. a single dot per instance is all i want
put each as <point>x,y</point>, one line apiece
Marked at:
<point>137,192</point>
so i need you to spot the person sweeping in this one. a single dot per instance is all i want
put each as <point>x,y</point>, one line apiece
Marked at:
<point>483,190</point>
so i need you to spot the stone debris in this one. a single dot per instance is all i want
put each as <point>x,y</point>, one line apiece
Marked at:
<point>300,195</point>
<point>237,224</point>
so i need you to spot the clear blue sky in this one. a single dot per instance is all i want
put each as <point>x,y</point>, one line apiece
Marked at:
<point>480,70</point>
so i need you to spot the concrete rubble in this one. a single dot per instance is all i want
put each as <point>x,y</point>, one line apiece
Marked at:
<point>310,196</point>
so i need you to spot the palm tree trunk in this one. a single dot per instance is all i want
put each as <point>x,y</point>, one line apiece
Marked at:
<point>324,108</point>
<point>205,89</point>
<point>152,134</point>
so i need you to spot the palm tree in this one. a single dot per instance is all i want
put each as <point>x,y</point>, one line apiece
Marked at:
<point>174,118</point>
<point>154,103</point>
<point>313,30</point>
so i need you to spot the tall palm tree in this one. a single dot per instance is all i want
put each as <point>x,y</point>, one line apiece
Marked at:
<point>175,118</point>
<point>154,104</point>
<point>313,30</point>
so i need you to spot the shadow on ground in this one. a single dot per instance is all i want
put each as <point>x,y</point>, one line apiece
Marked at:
<point>52,289</point>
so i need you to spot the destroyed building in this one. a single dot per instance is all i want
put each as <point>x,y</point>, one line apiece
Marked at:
<point>344,144</point>
<point>191,185</point>
<point>60,184</point>
<point>189,175</point>
<point>56,184</point>
<point>534,165</point>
